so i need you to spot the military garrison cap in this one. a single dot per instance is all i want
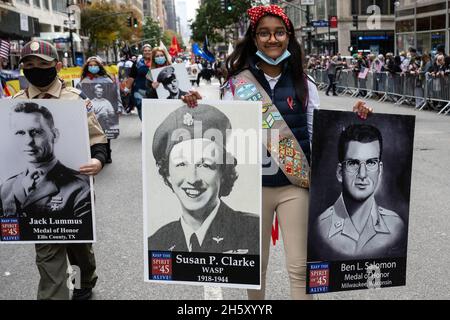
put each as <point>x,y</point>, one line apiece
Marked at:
<point>186,120</point>
<point>39,48</point>
<point>166,75</point>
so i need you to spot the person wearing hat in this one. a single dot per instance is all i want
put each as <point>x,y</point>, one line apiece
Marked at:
<point>40,66</point>
<point>170,82</point>
<point>93,72</point>
<point>200,180</point>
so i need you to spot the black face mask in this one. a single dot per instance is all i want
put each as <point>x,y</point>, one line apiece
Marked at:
<point>40,77</point>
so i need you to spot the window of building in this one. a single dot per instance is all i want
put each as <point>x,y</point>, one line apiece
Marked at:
<point>423,24</point>
<point>24,1</point>
<point>405,41</point>
<point>320,10</point>
<point>59,6</point>
<point>404,26</point>
<point>332,7</point>
<point>46,4</point>
<point>424,42</point>
<point>438,22</point>
<point>434,7</point>
<point>437,38</point>
<point>37,3</point>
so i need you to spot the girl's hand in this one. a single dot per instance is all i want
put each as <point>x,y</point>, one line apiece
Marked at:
<point>155,84</point>
<point>362,110</point>
<point>191,98</point>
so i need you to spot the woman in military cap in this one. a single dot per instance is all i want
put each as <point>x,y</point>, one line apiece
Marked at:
<point>200,180</point>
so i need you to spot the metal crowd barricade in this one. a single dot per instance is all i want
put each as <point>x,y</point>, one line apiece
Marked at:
<point>419,91</point>
<point>438,91</point>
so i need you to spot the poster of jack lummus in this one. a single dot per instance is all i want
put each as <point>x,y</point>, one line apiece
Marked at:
<point>202,192</point>
<point>105,105</point>
<point>359,201</point>
<point>43,197</point>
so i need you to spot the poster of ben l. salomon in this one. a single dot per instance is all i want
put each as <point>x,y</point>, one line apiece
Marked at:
<point>43,196</point>
<point>104,98</point>
<point>359,201</point>
<point>202,192</point>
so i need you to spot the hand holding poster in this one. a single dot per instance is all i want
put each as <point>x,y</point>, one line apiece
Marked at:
<point>105,103</point>
<point>202,192</point>
<point>43,197</point>
<point>173,81</point>
<point>359,201</point>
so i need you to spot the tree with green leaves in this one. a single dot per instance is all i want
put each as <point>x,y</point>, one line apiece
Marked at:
<point>152,31</point>
<point>105,23</point>
<point>211,20</point>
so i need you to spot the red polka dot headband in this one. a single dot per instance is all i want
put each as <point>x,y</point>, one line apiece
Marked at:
<point>258,12</point>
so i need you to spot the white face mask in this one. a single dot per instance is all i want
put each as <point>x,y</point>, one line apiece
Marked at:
<point>286,54</point>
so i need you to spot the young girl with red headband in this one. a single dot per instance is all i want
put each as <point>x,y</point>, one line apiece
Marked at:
<point>270,59</point>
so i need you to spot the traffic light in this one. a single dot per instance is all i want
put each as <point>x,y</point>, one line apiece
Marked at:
<point>226,5</point>
<point>355,21</point>
<point>129,22</point>
<point>229,5</point>
<point>135,22</point>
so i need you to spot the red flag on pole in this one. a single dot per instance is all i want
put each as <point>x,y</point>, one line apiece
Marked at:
<point>174,47</point>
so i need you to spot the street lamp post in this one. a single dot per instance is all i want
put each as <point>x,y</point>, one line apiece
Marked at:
<point>69,15</point>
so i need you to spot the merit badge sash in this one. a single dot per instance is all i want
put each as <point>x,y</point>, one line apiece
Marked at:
<point>287,154</point>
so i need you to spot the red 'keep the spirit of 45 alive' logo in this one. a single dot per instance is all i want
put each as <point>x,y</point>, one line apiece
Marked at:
<point>161,266</point>
<point>319,278</point>
<point>10,229</point>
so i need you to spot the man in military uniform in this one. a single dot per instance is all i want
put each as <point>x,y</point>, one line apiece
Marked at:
<point>356,227</point>
<point>40,66</point>
<point>46,187</point>
<point>170,82</point>
<point>200,171</point>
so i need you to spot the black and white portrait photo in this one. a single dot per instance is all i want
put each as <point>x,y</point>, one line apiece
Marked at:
<point>43,197</point>
<point>105,105</point>
<point>173,80</point>
<point>360,191</point>
<point>201,202</point>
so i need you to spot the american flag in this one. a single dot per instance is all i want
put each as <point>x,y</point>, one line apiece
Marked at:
<point>4,49</point>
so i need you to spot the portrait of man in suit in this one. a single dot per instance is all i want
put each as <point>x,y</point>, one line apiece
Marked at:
<point>200,172</point>
<point>170,82</point>
<point>356,226</point>
<point>45,188</point>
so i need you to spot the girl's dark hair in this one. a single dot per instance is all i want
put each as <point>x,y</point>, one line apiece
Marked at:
<point>246,48</point>
<point>102,72</point>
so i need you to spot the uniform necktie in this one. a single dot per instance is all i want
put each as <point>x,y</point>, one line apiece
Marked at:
<point>195,245</point>
<point>33,179</point>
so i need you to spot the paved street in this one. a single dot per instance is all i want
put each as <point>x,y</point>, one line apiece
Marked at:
<point>119,249</point>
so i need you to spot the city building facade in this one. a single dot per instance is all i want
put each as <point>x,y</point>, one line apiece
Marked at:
<point>422,25</point>
<point>171,21</point>
<point>374,31</point>
<point>24,20</point>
